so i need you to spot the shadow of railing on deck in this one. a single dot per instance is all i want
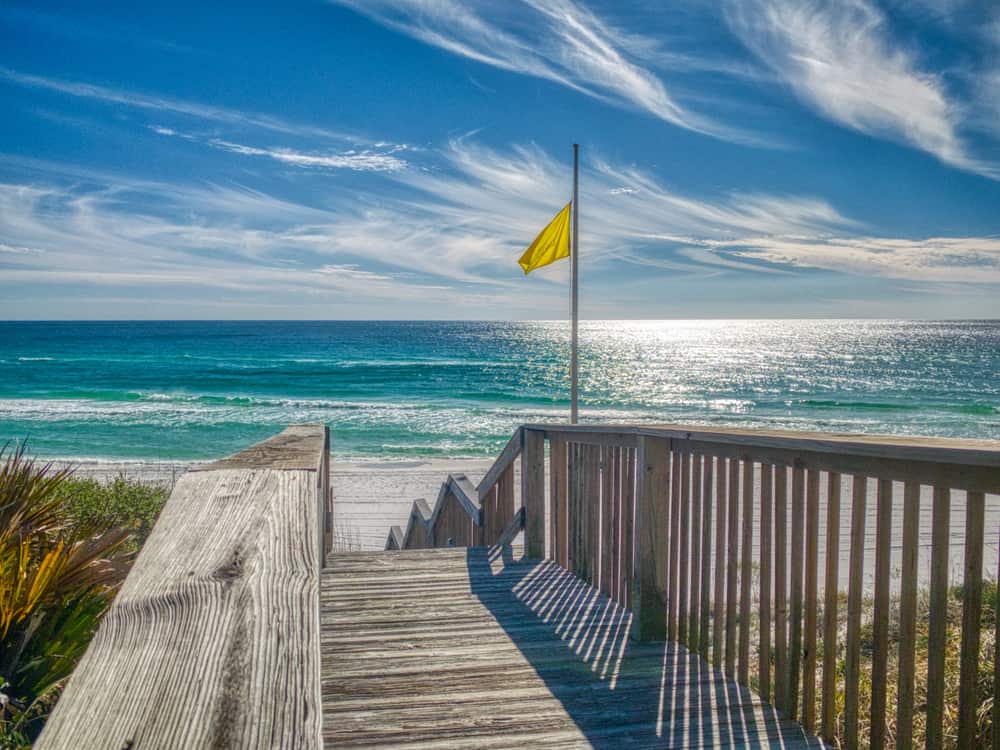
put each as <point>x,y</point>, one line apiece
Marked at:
<point>618,692</point>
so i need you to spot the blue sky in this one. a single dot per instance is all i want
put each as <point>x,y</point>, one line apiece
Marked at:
<point>392,158</point>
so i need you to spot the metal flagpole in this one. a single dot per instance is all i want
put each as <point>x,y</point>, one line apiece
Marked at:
<point>575,263</point>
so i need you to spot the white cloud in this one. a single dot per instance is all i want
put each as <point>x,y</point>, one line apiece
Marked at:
<point>165,104</point>
<point>365,160</point>
<point>840,57</point>
<point>558,40</point>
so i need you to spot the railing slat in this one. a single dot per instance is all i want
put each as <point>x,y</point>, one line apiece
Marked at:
<point>630,469</point>
<point>852,670</point>
<point>996,668</point>
<point>764,651</point>
<point>732,565</point>
<point>607,523</point>
<point>811,596</point>
<point>908,615</point>
<point>830,592</point>
<point>533,493</point>
<point>694,611</point>
<point>719,600</point>
<point>557,494</point>
<point>780,585</point>
<point>972,609</point>
<point>746,571</point>
<point>617,503</point>
<point>593,501</point>
<point>706,555</point>
<point>675,533</point>
<point>880,617</point>
<point>795,647</point>
<point>649,582</point>
<point>685,560</point>
<point>938,618</point>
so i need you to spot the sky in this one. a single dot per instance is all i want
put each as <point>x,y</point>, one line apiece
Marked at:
<point>391,159</point>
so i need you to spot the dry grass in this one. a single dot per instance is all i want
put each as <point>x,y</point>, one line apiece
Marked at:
<point>953,644</point>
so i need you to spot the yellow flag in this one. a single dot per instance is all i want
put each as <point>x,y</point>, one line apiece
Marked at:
<point>550,245</point>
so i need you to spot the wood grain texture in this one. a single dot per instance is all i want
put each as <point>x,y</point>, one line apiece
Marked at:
<point>504,462</point>
<point>746,571</point>
<point>704,632</point>
<point>509,653</point>
<point>780,585</point>
<point>559,520</point>
<point>811,602</point>
<point>764,650</point>
<point>649,588</point>
<point>830,593</point>
<point>880,617</point>
<point>732,566</point>
<point>852,669</point>
<point>674,538</point>
<point>719,598</point>
<point>694,610</point>
<point>937,621</point>
<point>798,540</point>
<point>533,493</point>
<point>684,554</point>
<point>213,641</point>
<point>972,609</point>
<point>908,616</point>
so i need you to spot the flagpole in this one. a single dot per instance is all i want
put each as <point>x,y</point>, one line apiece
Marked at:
<point>575,263</point>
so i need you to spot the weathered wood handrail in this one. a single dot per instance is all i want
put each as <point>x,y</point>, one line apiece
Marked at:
<point>213,641</point>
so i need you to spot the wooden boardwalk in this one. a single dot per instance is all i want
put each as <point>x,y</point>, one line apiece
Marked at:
<point>468,648</point>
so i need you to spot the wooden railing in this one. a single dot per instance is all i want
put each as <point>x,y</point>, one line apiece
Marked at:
<point>213,641</point>
<point>731,542</point>
<point>465,515</point>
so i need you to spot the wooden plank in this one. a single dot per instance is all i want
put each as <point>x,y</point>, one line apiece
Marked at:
<point>732,566</point>
<point>764,610</point>
<point>704,639</point>
<point>908,615</point>
<point>694,610</point>
<point>573,507</point>
<point>675,535</point>
<point>533,493</point>
<point>830,594</point>
<point>719,600</point>
<point>880,618</point>
<point>649,585</point>
<point>884,449</point>
<point>972,609</point>
<point>221,606</point>
<point>746,571</point>
<point>607,524</point>
<point>798,538</point>
<point>780,585</point>
<point>852,669</point>
<point>629,525</point>
<point>684,561</point>
<point>593,500</point>
<point>811,596</point>
<point>504,462</point>
<point>558,494</point>
<point>938,618</point>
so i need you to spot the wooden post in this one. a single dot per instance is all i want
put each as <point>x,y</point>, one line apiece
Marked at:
<point>811,596</point>
<point>880,618</point>
<point>557,491</point>
<point>732,565</point>
<point>764,650</point>
<point>780,584</point>
<point>684,560</point>
<point>830,593</point>
<point>798,538</point>
<point>938,618</point>
<point>746,571</point>
<point>972,608</point>
<point>694,611</point>
<point>852,672</point>
<point>719,600</point>
<point>706,555</point>
<point>533,493</point>
<point>908,615</point>
<point>649,583</point>
<point>673,576</point>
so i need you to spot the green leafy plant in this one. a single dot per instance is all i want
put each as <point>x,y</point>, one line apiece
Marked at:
<point>59,572</point>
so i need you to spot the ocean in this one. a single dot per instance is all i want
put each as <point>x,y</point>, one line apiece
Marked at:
<point>178,391</point>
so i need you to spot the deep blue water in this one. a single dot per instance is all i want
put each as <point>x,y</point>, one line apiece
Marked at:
<point>186,390</point>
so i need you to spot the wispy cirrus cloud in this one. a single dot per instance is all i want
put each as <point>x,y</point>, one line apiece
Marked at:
<point>558,40</point>
<point>364,160</point>
<point>841,58</point>
<point>138,100</point>
<point>451,231</point>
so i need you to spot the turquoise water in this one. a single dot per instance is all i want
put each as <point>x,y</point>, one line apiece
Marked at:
<point>189,390</point>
